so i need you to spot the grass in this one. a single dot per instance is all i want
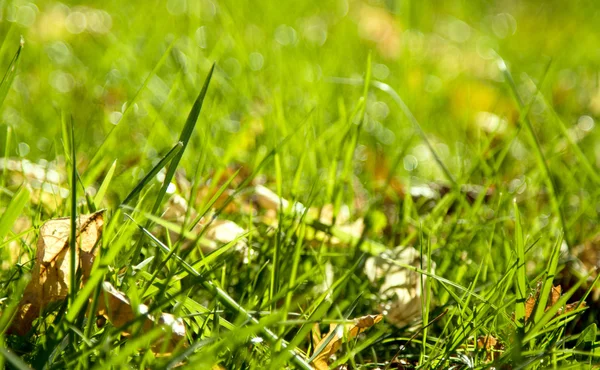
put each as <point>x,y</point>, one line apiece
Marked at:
<point>451,145</point>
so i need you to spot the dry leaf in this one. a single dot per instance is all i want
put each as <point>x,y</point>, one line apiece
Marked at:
<point>491,346</point>
<point>341,333</point>
<point>399,288</point>
<point>116,307</point>
<point>553,298</point>
<point>218,231</point>
<point>51,273</point>
<point>555,295</point>
<point>530,305</point>
<point>224,231</point>
<point>268,200</point>
<point>316,334</point>
<point>342,221</point>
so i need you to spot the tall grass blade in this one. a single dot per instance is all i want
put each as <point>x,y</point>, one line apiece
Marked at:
<point>73,237</point>
<point>539,154</point>
<point>13,211</point>
<point>184,138</point>
<point>105,183</point>
<point>10,74</point>
<point>407,112</point>
<point>550,274</point>
<point>13,359</point>
<point>153,172</point>
<point>521,284</point>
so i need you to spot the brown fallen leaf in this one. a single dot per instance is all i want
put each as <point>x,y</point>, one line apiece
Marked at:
<point>342,221</point>
<point>342,333</point>
<point>116,307</point>
<point>218,231</point>
<point>491,345</point>
<point>399,288</point>
<point>51,273</point>
<point>553,298</point>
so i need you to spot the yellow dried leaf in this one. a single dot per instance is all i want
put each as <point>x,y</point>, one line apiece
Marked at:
<point>399,288</point>
<point>351,330</point>
<point>553,298</point>
<point>51,274</point>
<point>555,295</point>
<point>493,348</point>
<point>117,308</point>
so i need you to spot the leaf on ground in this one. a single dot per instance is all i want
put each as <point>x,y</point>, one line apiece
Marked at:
<point>116,307</point>
<point>268,200</point>
<point>399,288</point>
<point>492,347</point>
<point>555,295</point>
<point>50,276</point>
<point>342,220</point>
<point>341,333</point>
<point>224,231</point>
<point>218,231</point>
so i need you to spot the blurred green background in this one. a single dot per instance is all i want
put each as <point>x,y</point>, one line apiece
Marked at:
<point>276,64</point>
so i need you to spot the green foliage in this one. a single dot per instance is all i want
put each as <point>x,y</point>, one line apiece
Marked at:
<point>465,130</point>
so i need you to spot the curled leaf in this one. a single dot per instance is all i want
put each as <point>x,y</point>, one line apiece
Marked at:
<point>50,277</point>
<point>492,347</point>
<point>332,342</point>
<point>555,295</point>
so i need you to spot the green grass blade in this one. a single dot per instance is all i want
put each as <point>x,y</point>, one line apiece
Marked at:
<point>213,199</point>
<point>10,74</point>
<point>552,311</point>
<point>539,154</point>
<point>407,112</point>
<point>105,183</point>
<point>100,267</point>
<point>587,165</point>
<point>13,359</point>
<point>73,236</point>
<point>13,211</point>
<point>153,172</point>
<point>520,284</point>
<point>550,274</point>
<point>143,341</point>
<point>184,138</point>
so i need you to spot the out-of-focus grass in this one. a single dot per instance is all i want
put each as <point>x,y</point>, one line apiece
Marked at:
<point>128,73</point>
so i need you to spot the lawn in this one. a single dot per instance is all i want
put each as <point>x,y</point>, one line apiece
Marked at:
<point>299,184</point>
